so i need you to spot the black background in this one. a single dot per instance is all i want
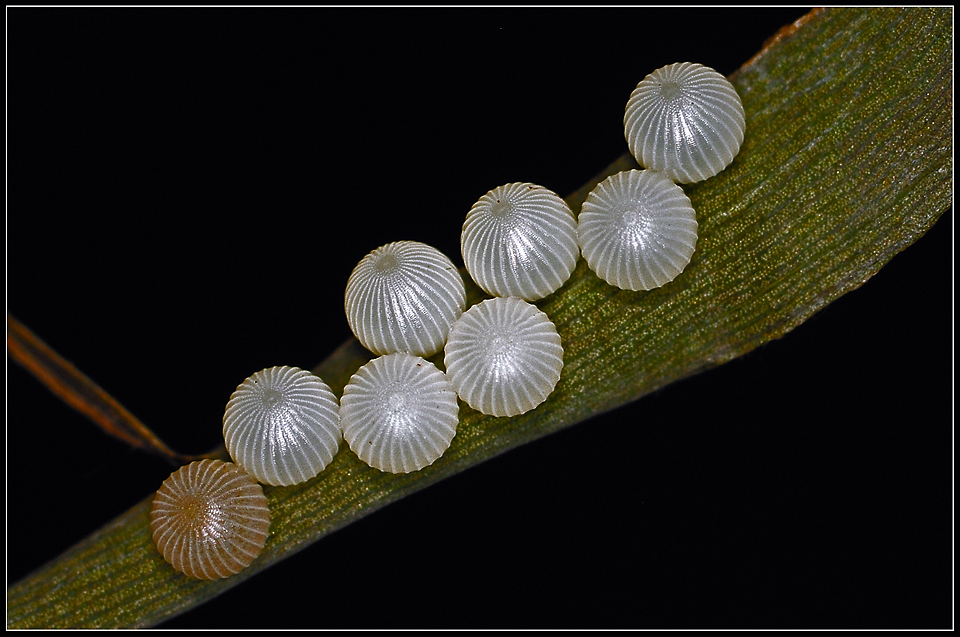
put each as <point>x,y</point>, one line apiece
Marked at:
<point>188,191</point>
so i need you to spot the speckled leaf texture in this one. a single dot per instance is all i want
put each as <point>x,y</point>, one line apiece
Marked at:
<point>846,162</point>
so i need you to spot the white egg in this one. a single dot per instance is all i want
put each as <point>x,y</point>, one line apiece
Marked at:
<point>637,230</point>
<point>504,356</point>
<point>399,413</point>
<point>686,121</point>
<point>282,425</point>
<point>520,240</point>
<point>403,297</point>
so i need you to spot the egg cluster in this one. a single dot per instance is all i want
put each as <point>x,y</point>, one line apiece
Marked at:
<point>406,301</point>
<point>684,123</point>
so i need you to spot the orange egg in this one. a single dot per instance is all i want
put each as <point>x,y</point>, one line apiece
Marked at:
<point>210,519</point>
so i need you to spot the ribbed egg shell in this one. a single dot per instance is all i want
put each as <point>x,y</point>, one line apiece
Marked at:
<point>210,519</point>
<point>520,240</point>
<point>504,356</point>
<point>403,297</point>
<point>686,121</point>
<point>399,413</point>
<point>282,425</point>
<point>637,230</point>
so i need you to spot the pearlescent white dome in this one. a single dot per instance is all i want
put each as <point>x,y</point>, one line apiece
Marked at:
<point>686,121</point>
<point>637,230</point>
<point>403,297</point>
<point>520,240</point>
<point>399,413</point>
<point>282,425</point>
<point>504,356</point>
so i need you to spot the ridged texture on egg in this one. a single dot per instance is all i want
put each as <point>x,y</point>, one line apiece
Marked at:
<point>686,121</point>
<point>282,425</point>
<point>403,297</point>
<point>520,240</point>
<point>399,413</point>
<point>504,356</point>
<point>210,519</point>
<point>637,230</point>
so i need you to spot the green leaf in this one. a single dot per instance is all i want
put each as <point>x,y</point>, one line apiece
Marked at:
<point>847,161</point>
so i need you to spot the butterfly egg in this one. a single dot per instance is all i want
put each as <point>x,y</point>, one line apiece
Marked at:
<point>637,230</point>
<point>210,519</point>
<point>282,425</point>
<point>399,413</point>
<point>403,297</point>
<point>520,240</point>
<point>686,121</point>
<point>503,356</point>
